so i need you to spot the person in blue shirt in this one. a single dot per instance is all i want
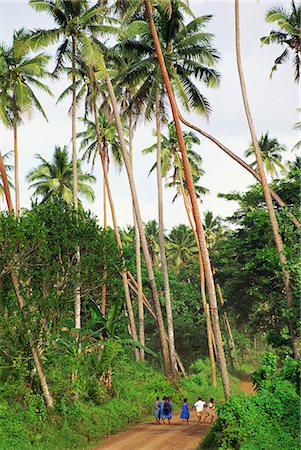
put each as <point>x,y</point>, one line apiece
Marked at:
<point>185,411</point>
<point>158,410</point>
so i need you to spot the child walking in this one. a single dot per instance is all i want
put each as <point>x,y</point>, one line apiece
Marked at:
<point>157,410</point>
<point>185,412</point>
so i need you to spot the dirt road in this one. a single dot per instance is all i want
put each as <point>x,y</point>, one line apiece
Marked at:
<point>177,436</point>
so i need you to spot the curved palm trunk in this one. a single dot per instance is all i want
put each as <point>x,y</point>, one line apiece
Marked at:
<point>170,330</point>
<point>151,277</point>
<point>240,161</point>
<point>16,160</point>
<point>266,191</point>
<point>203,289</point>
<point>195,209</point>
<point>104,286</point>
<point>138,257</point>
<point>117,235</point>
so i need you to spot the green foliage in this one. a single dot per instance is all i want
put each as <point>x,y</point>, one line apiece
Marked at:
<point>268,420</point>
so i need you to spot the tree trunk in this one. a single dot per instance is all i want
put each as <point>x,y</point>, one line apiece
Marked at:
<point>152,282</point>
<point>117,235</point>
<point>203,289</point>
<point>138,256</point>
<point>266,191</point>
<point>5,185</point>
<point>195,209</point>
<point>104,286</point>
<point>240,161</point>
<point>170,330</point>
<point>16,160</point>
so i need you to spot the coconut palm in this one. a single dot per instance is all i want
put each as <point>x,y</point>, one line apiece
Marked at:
<point>181,245</point>
<point>288,35</point>
<point>152,237</point>
<point>55,179</point>
<point>18,99</point>
<point>265,186</point>
<point>212,227</point>
<point>271,151</point>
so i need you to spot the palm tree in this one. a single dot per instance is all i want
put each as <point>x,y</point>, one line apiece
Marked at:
<point>271,151</point>
<point>194,204</point>
<point>287,36</point>
<point>17,91</point>
<point>266,191</point>
<point>55,179</point>
<point>152,237</point>
<point>212,228</point>
<point>181,245</point>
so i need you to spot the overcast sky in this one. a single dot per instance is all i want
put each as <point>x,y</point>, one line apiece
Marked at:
<point>273,104</point>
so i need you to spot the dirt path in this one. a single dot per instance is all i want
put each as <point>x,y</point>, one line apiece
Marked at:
<point>178,436</point>
<point>149,436</point>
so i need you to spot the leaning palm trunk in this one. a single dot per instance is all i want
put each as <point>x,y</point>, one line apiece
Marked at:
<point>16,160</point>
<point>5,185</point>
<point>151,277</point>
<point>138,257</point>
<point>266,191</point>
<point>104,286</point>
<point>195,209</point>
<point>170,330</point>
<point>117,235</point>
<point>46,391</point>
<point>203,289</point>
<point>240,161</point>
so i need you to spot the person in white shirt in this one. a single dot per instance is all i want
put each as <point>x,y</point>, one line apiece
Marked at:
<point>199,406</point>
<point>208,411</point>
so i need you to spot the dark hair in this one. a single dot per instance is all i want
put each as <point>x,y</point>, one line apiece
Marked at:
<point>164,398</point>
<point>212,399</point>
<point>185,400</point>
<point>157,398</point>
<point>200,398</point>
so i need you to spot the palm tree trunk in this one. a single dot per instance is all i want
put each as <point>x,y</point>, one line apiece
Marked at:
<point>104,286</point>
<point>203,289</point>
<point>138,257</point>
<point>170,330</point>
<point>266,191</point>
<point>77,302</point>
<point>152,282</point>
<point>195,209</point>
<point>16,160</point>
<point>5,185</point>
<point>240,161</point>
<point>117,235</point>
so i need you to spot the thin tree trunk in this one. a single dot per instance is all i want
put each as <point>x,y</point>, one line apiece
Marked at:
<point>168,306</point>
<point>195,208</point>
<point>240,161</point>
<point>104,286</point>
<point>38,364</point>
<point>152,282</point>
<point>266,191</point>
<point>117,235</point>
<point>5,185</point>
<point>203,289</point>
<point>138,256</point>
<point>16,160</point>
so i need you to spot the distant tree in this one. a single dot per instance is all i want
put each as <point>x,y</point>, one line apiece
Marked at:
<point>271,151</point>
<point>55,178</point>
<point>181,245</point>
<point>288,35</point>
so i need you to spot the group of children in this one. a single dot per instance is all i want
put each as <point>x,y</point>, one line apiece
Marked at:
<point>163,410</point>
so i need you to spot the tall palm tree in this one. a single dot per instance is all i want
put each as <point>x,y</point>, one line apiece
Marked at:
<point>18,90</point>
<point>152,237</point>
<point>181,245</point>
<point>266,191</point>
<point>55,179</point>
<point>271,153</point>
<point>212,228</point>
<point>288,35</point>
<point>194,204</point>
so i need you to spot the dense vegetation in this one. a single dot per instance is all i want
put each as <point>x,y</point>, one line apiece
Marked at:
<point>91,332</point>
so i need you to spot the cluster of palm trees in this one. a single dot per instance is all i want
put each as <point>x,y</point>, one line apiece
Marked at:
<point>157,58</point>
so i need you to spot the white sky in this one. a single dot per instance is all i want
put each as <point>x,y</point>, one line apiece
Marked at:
<point>273,104</point>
